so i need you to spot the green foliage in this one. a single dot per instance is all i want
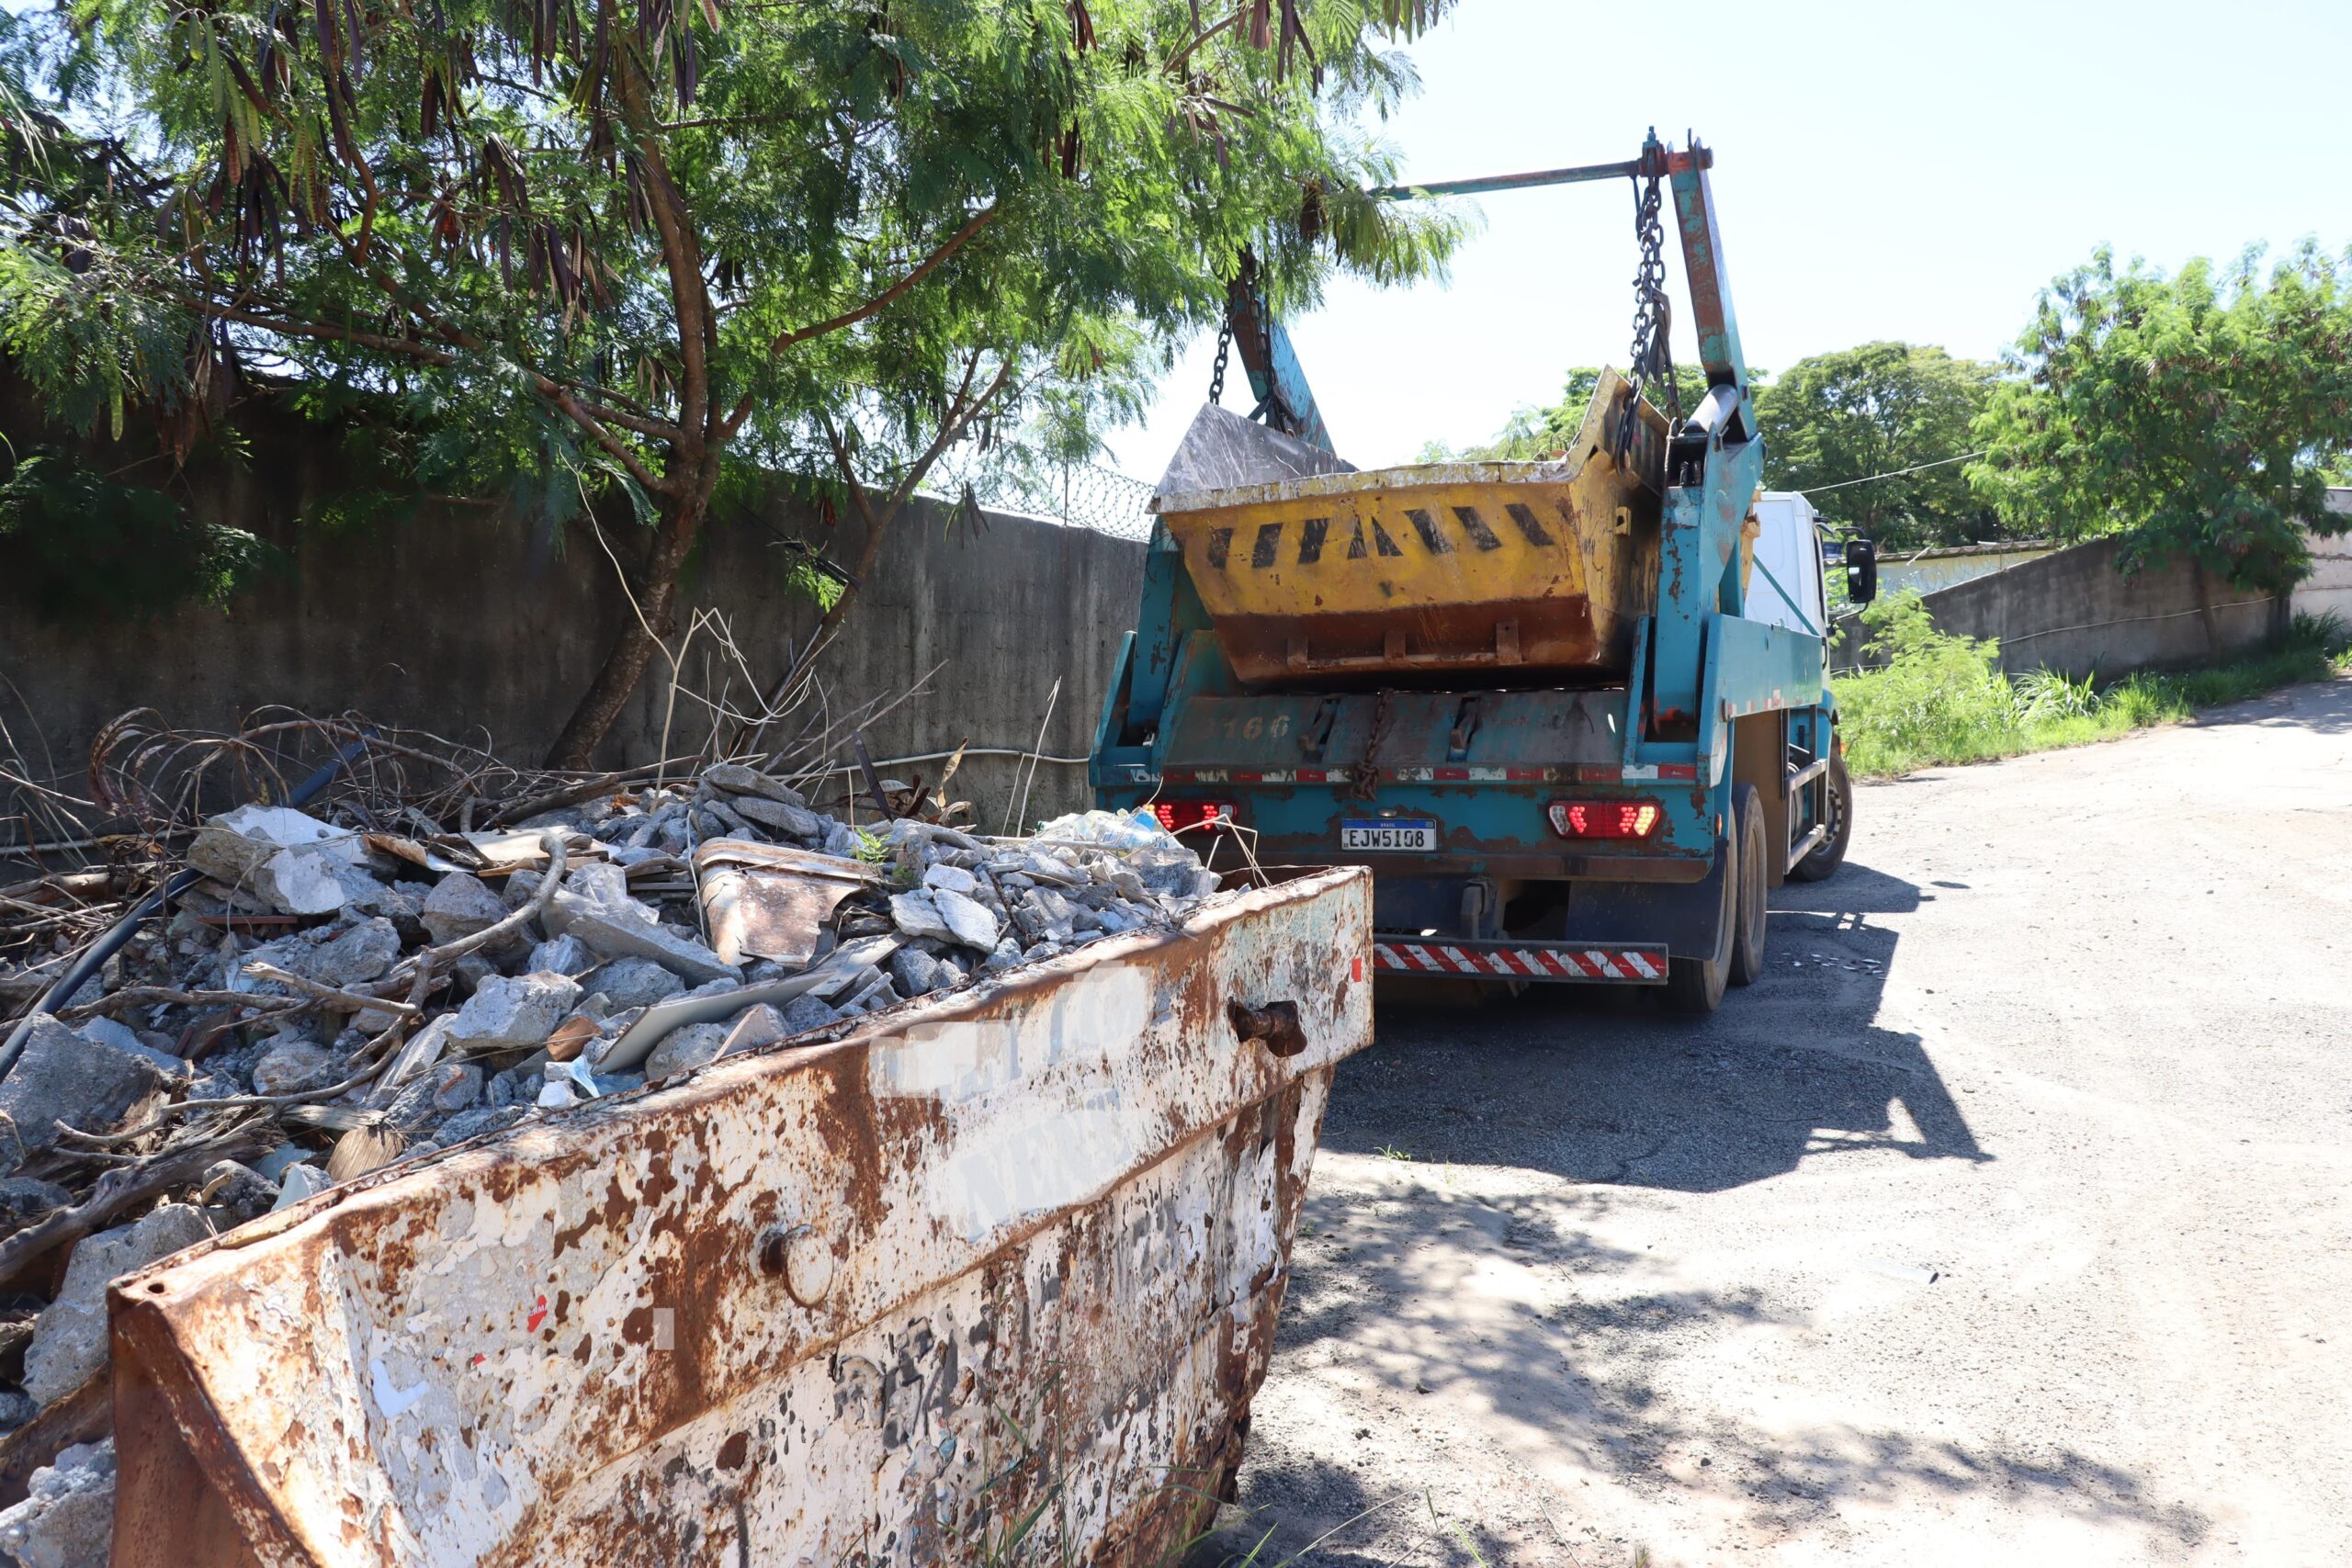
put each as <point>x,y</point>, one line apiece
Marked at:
<point>1531,434</point>
<point>1938,699</point>
<point>2197,416</point>
<point>1876,410</point>
<point>590,247</point>
<point>77,545</point>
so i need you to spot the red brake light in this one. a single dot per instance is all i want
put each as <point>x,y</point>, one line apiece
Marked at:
<point>1177,815</point>
<point>1604,819</point>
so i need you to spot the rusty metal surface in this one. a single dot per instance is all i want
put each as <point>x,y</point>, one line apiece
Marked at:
<point>993,1281</point>
<point>770,901</point>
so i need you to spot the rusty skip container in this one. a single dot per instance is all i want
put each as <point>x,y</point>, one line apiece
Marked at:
<point>993,1278</point>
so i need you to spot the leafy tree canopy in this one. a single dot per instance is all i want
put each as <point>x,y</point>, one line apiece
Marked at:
<point>2196,417</point>
<point>1877,410</point>
<point>625,245</point>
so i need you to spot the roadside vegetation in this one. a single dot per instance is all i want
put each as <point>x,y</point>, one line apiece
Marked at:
<point>1938,698</point>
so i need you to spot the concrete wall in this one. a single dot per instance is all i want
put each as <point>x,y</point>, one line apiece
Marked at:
<point>1927,570</point>
<point>2328,590</point>
<point>462,622</point>
<point>2074,612</point>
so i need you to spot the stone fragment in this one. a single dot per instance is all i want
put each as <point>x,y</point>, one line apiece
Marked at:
<point>841,840</point>
<point>804,1013</point>
<point>105,1031</point>
<point>361,953</point>
<point>63,1075</point>
<point>633,983</point>
<point>66,1520</point>
<point>953,878</point>
<point>456,1085</point>
<point>620,927</point>
<point>283,856</point>
<point>737,779</point>
<point>238,1191</point>
<point>793,821</point>
<point>290,1066</point>
<point>753,1027</point>
<point>919,915</point>
<point>916,972</point>
<point>17,1408</point>
<point>460,905</point>
<point>684,1049</point>
<point>69,1343</point>
<point>972,925</point>
<point>503,1012</point>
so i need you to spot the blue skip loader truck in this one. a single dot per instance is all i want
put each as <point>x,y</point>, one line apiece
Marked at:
<point>1572,713</point>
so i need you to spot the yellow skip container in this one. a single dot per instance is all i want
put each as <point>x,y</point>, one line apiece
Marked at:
<point>1438,568</point>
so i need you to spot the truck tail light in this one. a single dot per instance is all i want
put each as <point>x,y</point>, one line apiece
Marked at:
<point>1177,815</point>
<point>1604,819</point>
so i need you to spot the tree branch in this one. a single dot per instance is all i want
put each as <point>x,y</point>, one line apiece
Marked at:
<point>881,301</point>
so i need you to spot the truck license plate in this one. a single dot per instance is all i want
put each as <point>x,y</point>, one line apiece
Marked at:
<point>1389,833</point>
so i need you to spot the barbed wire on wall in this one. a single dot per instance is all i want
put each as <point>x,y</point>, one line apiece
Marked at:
<point>1080,495</point>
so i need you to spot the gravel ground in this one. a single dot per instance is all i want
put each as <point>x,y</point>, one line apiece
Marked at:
<point>2005,1220</point>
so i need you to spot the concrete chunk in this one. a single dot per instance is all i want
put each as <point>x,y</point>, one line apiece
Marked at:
<point>971,925</point>
<point>69,1343</point>
<point>66,1520</point>
<point>683,1049</point>
<point>614,932</point>
<point>794,821</point>
<point>63,1075</point>
<point>737,779</point>
<point>460,905</point>
<point>917,915</point>
<point>503,1013</point>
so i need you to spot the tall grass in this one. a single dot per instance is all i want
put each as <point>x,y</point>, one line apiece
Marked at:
<point>1939,700</point>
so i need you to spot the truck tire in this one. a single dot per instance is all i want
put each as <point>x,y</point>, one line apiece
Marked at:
<point>1755,880</point>
<point>1695,985</point>
<point>1830,853</point>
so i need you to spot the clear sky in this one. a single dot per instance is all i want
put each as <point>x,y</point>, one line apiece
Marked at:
<point>1883,170</point>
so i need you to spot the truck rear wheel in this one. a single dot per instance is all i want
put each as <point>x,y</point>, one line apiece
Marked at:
<point>1695,985</point>
<point>1830,853</point>
<point>1747,933</point>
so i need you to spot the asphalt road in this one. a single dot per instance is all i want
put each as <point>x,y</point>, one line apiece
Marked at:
<point>2007,1220</point>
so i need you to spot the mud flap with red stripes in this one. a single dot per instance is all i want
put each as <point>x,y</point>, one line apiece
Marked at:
<point>1638,965</point>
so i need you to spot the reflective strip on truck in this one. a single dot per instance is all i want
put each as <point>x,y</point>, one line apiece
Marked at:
<point>1642,966</point>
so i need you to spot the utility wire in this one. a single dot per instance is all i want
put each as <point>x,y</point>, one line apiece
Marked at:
<point>1841,484</point>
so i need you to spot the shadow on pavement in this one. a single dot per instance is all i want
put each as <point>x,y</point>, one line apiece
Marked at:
<point>1469,1354</point>
<point>2322,705</point>
<point>1605,1086</point>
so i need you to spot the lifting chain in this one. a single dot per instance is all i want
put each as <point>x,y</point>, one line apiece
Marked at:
<point>1224,348</point>
<point>1652,317</point>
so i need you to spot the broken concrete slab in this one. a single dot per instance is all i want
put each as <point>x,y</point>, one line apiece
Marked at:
<point>69,1343</point>
<point>753,1028</point>
<point>291,1065</point>
<point>626,929</point>
<point>972,925</point>
<point>793,821</point>
<point>737,779</point>
<point>562,955</point>
<point>505,1013</point>
<point>632,982</point>
<point>917,915</point>
<point>460,905</point>
<point>66,1520</point>
<point>682,1050</point>
<point>65,1076</point>
<point>287,858</point>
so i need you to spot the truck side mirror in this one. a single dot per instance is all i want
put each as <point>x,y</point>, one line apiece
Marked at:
<point>1861,570</point>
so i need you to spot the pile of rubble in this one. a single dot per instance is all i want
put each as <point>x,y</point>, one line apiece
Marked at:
<point>328,998</point>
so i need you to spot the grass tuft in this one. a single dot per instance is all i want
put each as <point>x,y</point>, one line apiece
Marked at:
<point>1939,700</point>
